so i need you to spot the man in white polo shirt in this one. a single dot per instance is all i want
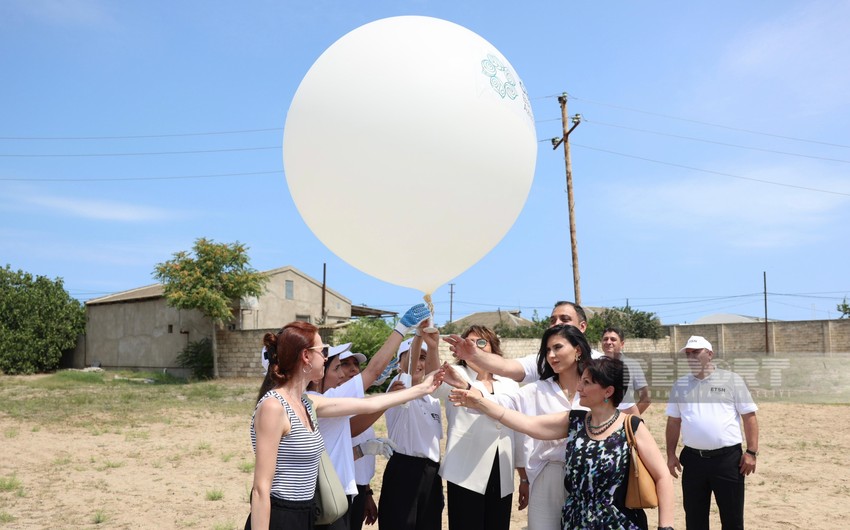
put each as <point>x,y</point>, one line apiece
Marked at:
<point>613,342</point>
<point>707,408</point>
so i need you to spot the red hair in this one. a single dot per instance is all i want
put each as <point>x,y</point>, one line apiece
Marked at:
<point>284,349</point>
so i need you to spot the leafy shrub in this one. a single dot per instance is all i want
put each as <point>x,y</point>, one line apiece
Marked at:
<point>198,357</point>
<point>38,321</point>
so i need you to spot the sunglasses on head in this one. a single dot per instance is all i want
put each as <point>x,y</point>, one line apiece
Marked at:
<point>323,349</point>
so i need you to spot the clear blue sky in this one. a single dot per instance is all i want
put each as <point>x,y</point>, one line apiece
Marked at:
<point>715,147</point>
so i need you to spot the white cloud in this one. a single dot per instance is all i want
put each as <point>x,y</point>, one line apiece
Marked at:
<point>739,213</point>
<point>84,13</point>
<point>101,210</point>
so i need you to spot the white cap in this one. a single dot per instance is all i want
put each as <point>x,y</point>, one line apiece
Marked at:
<point>333,351</point>
<point>359,356</point>
<point>697,343</point>
<point>405,346</point>
<point>264,360</point>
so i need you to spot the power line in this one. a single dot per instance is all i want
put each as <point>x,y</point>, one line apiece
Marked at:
<point>140,136</point>
<point>175,177</point>
<point>710,299</point>
<point>763,181</point>
<point>141,154</point>
<point>716,142</point>
<point>749,131</point>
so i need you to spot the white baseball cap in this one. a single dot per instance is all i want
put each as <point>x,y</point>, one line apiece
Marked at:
<point>405,346</point>
<point>264,360</point>
<point>333,351</point>
<point>697,343</point>
<point>359,356</point>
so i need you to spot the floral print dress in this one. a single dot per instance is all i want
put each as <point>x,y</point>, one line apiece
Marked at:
<point>596,481</point>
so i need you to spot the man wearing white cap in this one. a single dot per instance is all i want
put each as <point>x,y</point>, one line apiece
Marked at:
<point>707,408</point>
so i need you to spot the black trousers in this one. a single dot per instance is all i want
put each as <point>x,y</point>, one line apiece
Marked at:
<point>470,510</point>
<point>289,515</point>
<point>358,507</point>
<point>411,495</point>
<point>718,473</point>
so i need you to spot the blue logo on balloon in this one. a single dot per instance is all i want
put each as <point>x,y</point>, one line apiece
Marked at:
<point>501,79</point>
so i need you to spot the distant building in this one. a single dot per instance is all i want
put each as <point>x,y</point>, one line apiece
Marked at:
<point>726,318</point>
<point>137,329</point>
<point>491,319</point>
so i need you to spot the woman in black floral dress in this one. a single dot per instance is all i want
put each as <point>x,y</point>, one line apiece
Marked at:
<point>597,457</point>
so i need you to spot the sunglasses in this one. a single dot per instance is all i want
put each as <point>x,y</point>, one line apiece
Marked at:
<point>323,349</point>
<point>481,343</point>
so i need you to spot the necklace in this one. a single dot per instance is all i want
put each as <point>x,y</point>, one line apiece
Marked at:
<point>602,427</point>
<point>564,389</point>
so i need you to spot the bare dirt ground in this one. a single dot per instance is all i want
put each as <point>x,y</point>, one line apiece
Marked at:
<point>191,467</point>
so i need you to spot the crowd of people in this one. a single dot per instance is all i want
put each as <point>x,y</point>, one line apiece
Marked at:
<point>557,417</point>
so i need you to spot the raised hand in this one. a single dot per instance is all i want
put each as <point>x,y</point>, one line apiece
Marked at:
<point>412,318</point>
<point>463,349</point>
<point>453,378</point>
<point>467,398</point>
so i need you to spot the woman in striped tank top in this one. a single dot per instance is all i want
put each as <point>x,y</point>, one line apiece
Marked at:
<point>287,446</point>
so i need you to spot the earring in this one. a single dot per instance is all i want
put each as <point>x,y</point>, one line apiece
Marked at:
<point>605,400</point>
<point>307,370</point>
<point>578,356</point>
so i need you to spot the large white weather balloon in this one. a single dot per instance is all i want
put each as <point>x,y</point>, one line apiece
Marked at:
<point>409,149</point>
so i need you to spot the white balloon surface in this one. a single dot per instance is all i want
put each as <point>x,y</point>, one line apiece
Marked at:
<point>409,149</point>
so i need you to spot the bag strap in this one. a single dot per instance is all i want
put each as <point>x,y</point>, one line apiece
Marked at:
<point>312,410</point>
<point>631,423</point>
<point>630,435</point>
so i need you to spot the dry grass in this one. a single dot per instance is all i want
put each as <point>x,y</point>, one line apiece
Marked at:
<point>86,450</point>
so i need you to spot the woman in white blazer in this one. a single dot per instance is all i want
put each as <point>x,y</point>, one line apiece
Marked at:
<point>479,463</point>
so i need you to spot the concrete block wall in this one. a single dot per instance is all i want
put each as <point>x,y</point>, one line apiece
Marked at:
<point>239,351</point>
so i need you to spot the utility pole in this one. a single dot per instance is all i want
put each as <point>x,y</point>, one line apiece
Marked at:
<point>565,139</point>
<point>766,335</point>
<point>324,288</point>
<point>451,300</point>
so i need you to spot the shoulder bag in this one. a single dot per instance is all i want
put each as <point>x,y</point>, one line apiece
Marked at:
<point>331,501</point>
<point>640,490</point>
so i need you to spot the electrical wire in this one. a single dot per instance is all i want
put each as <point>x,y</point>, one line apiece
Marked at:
<point>128,179</point>
<point>594,122</point>
<point>140,136</point>
<point>141,154</point>
<point>712,172</point>
<point>739,129</point>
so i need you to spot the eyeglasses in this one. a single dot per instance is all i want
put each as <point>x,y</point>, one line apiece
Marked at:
<point>323,349</point>
<point>481,343</point>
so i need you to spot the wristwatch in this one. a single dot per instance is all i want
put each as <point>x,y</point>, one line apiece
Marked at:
<point>751,452</point>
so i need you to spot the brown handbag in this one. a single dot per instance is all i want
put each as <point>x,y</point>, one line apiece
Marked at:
<point>640,491</point>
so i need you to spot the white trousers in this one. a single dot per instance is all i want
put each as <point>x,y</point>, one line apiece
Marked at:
<point>546,498</point>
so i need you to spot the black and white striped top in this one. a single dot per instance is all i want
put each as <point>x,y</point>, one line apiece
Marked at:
<point>298,455</point>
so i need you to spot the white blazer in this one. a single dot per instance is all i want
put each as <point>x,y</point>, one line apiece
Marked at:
<point>473,440</point>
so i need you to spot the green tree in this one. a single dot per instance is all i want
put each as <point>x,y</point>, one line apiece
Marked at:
<point>210,279</point>
<point>366,335</point>
<point>38,321</point>
<point>844,308</point>
<point>635,324</point>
